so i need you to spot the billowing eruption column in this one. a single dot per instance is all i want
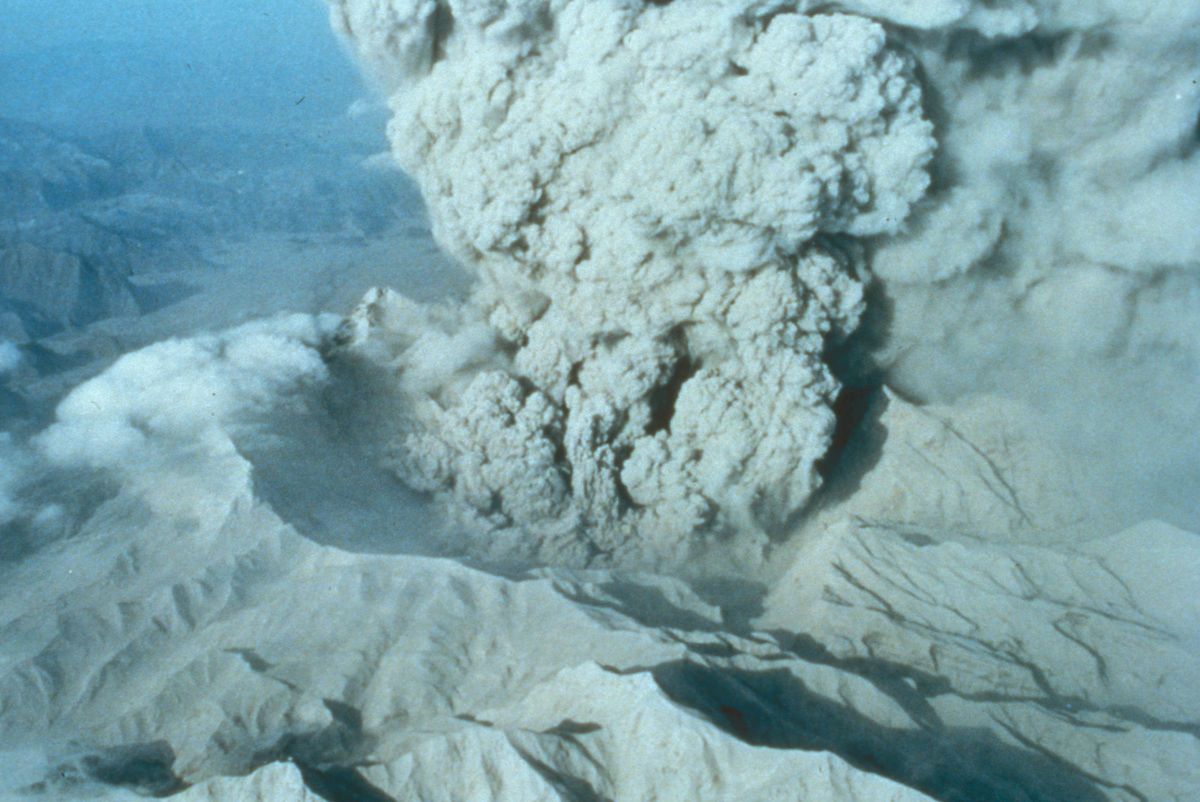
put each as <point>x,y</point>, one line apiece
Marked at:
<point>660,201</point>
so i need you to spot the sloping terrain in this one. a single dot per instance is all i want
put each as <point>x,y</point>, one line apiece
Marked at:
<point>191,634</point>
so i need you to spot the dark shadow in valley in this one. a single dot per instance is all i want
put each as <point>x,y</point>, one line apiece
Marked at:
<point>952,764</point>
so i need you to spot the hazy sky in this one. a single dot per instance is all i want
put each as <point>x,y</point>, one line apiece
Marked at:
<point>270,24</point>
<point>100,63</point>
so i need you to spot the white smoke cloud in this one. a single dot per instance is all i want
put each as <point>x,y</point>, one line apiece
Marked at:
<point>638,188</point>
<point>161,419</point>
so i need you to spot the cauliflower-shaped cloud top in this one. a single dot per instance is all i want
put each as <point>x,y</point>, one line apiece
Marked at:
<point>640,188</point>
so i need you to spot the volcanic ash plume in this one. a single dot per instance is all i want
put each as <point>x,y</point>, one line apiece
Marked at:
<point>661,203</point>
<point>1057,257</point>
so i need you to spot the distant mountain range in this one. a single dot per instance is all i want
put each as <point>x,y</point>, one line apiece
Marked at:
<point>80,216</point>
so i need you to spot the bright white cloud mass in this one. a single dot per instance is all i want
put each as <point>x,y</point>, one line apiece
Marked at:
<point>819,424</point>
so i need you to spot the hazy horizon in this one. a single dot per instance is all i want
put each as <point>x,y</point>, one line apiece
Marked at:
<point>79,64</point>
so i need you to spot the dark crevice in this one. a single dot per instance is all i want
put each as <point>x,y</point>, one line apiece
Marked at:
<point>620,456</point>
<point>911,687</point>
<point>573,375</point>
<point>851,408</point>
<point>253,659</point>
<point>147,769</point>
<point>856,448</point>
<point>573,788</point>
<point>569,728</point>
<point>662,398</point>
<point>441,26</point>
<point>341,784</point>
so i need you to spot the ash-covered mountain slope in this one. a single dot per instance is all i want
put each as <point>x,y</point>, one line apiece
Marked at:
<point>195,642</point>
